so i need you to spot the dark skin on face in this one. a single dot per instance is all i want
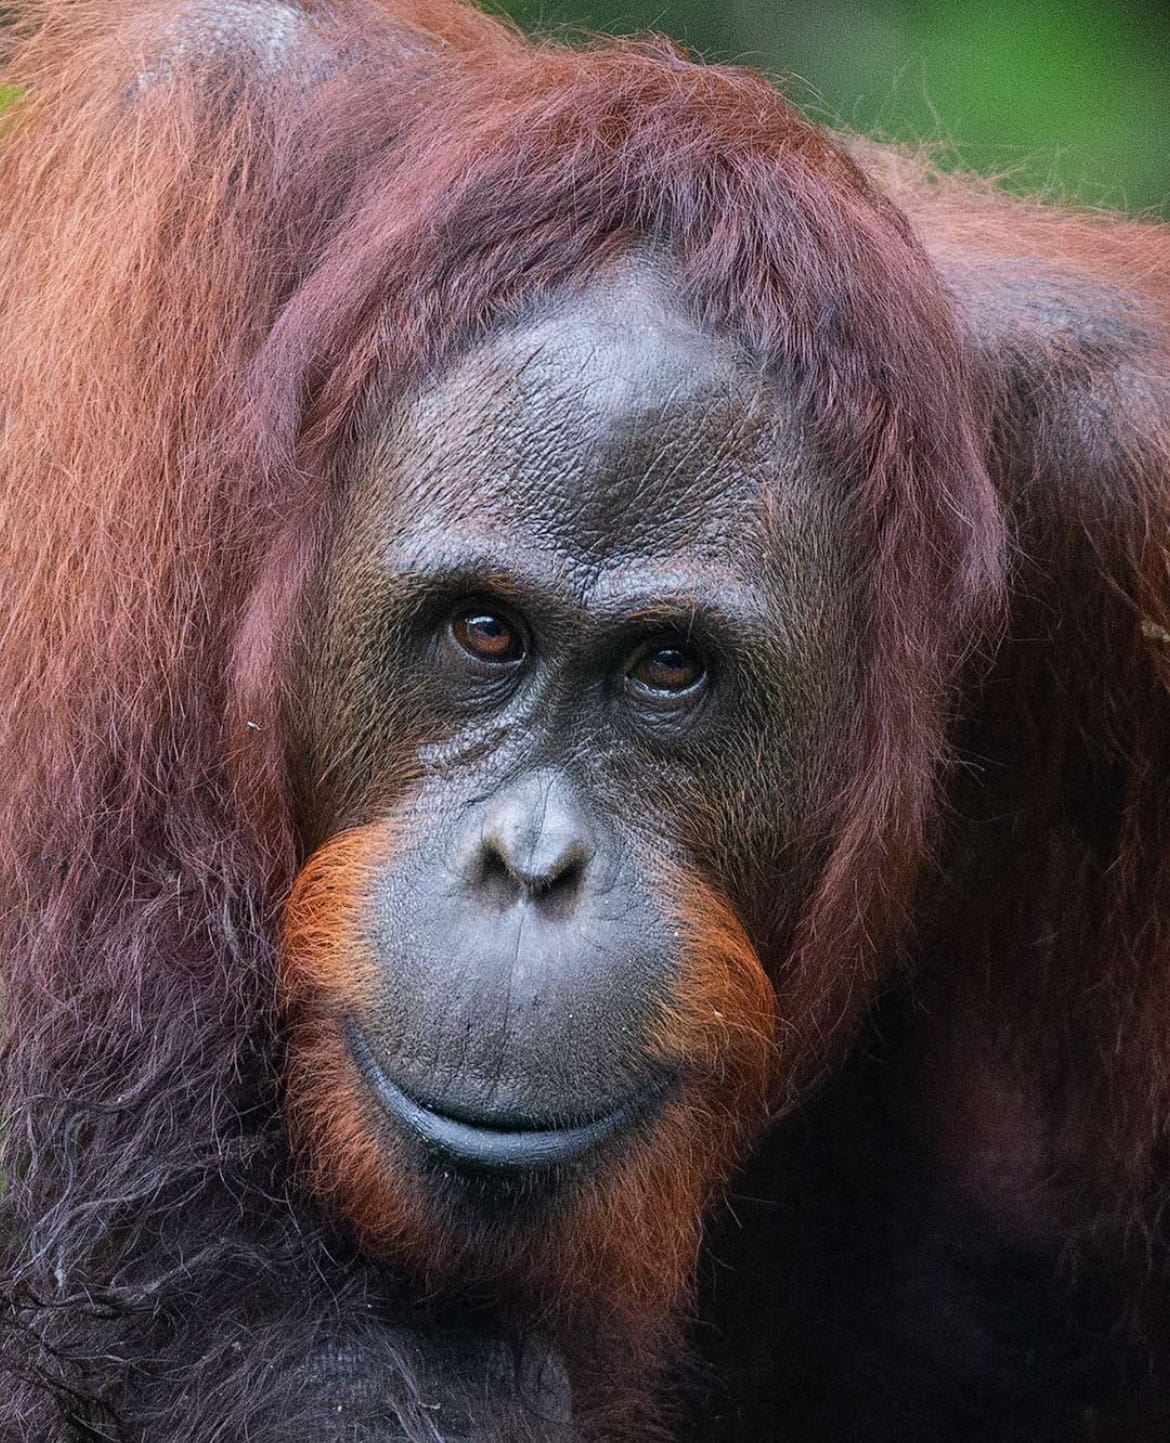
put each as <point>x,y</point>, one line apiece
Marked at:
<point>581,598</point>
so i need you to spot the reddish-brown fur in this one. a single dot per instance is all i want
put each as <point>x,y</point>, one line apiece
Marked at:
<point>208,262</point>
<point>629,1241</point>
<point>324,959</point>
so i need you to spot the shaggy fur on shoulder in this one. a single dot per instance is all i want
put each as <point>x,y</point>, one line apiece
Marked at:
<point>224,224</point>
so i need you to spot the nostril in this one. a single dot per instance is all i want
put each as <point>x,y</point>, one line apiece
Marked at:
<point>535,843</point>
<point>556,894</point>
<point>567,875</point>
<point>550,876</point>
<point>497,884</point>
<point>554,864</point>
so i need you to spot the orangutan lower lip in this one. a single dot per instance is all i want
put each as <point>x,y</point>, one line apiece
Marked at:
<point>485,1145</point>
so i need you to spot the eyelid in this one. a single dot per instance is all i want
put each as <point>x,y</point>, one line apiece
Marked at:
<point>667,639</point>
<point>515,631</point>
<point>660,601</point>
<point>686,657</point>
<point>664,699</point>
<point>642,598</point>
<point>473,604</point>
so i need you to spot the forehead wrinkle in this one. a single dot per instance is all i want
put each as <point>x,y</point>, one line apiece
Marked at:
<point>693,479</point>
<point>727,439</point>
<point>499,459</point>
<point>442,448</point>
<point>654,583</point>
<point>526,434</point>
<point>675,584</point>
<point>576,514</point>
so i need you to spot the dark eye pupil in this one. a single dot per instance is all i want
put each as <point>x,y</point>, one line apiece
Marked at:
<point>670,668</point>
<point>487,636</point>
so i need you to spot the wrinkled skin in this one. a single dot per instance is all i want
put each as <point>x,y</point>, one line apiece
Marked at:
<point>683,778</point>
<point>612,485</point>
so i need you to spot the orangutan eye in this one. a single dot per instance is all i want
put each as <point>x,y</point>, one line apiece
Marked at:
<point>667,670</point>
<point>487,636</point>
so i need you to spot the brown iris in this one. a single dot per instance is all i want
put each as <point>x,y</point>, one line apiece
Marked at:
<point>671,668</point>
<point>487,636</point>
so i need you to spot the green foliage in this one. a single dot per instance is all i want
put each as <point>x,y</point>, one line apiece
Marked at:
<point>1067,96</point>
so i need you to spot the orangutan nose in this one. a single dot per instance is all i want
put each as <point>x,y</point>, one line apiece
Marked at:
<point>535,845</point>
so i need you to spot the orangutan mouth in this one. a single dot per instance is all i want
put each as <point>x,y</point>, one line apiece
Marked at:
<point>495,1141</point>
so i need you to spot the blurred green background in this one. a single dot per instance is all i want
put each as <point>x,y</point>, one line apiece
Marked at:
<point>1072,99</point>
